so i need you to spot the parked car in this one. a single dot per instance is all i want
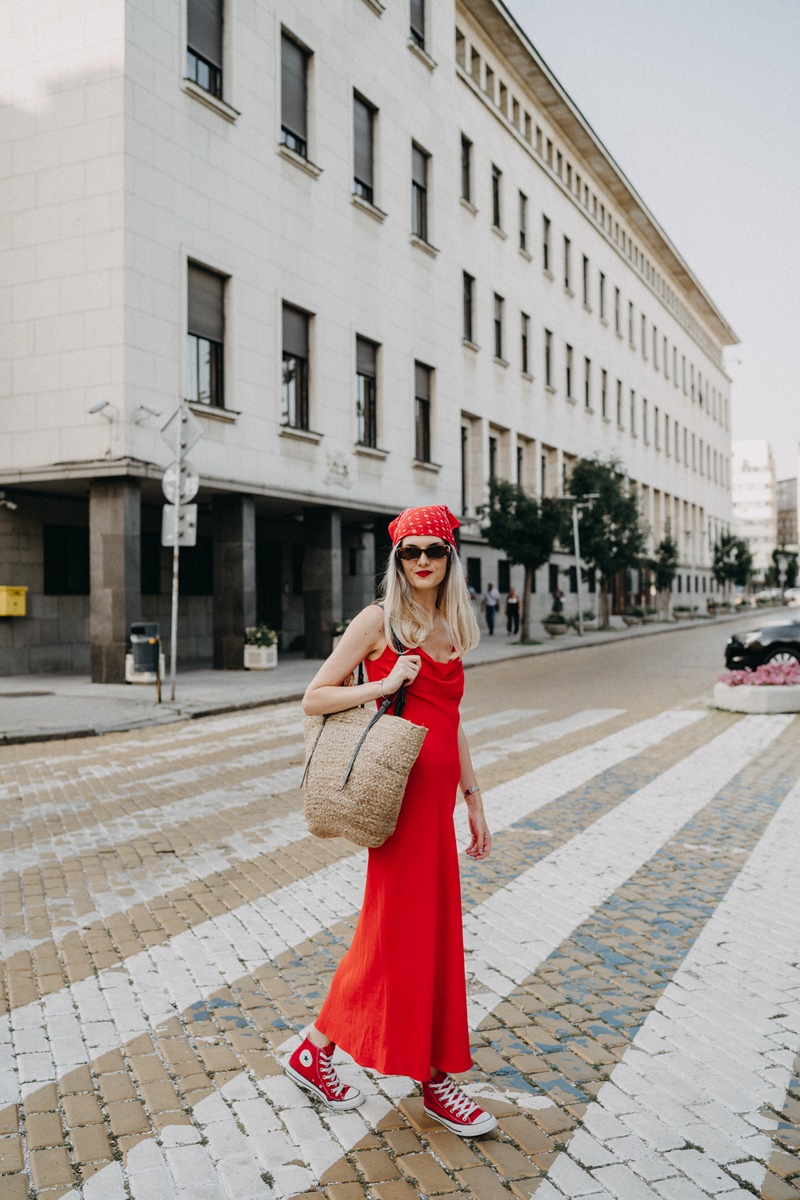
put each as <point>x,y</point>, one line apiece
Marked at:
<point>792,595</point>
<point>771,643</point>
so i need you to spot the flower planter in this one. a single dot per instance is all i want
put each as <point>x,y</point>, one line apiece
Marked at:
<point>589,626</point>
<point>556,630</point>
<point>683,616</point>
<point>633,620</point>
<point>260,658</point>
<point>758,698</point>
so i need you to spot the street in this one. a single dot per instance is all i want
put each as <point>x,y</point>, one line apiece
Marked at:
<point>169,928</point>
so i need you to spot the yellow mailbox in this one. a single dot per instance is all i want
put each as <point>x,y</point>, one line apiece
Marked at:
<point>12,601</point>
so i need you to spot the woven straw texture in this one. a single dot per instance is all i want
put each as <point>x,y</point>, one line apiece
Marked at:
<point>366,810</point>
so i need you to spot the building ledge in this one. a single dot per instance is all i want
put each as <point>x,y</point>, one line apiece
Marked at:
<point>604,322</point>
<point>305,164</point>
<point>548,273</point>
<point>619,335</point>
<point>421,54</point>
<point>501,233</point>
<point>300,435</point>
<point>376,6</point>
<point>571,399</point>
<point>587,307</point>
<point>469,206</point>
<point>368,207</point>
<point>421,244</point>
<point>501,362</point>
<point>470,345</point>
<point>551,391</point>
<point>526,254</point>
<point>568,291</point>
<point>432,467</point>
<point>370,451</point>
<point>213,102</point>
<point>226,415</point>
<point>588,409</point>
<point>526,375</point>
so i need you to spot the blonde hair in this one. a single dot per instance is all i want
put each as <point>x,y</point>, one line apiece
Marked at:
<point>409,620</point>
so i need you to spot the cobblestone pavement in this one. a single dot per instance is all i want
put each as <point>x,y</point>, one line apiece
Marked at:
<point>633,954</point>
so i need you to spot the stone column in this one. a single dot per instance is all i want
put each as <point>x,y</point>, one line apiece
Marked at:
<point>322,579</point>
<point>234,525</point>
<point>115,579</point>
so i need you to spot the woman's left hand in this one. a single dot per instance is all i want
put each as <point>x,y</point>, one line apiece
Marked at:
<point>481,844</point>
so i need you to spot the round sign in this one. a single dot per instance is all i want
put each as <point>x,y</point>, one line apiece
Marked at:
<point>189,483</point>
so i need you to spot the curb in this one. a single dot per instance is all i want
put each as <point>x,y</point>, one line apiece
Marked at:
<point>513,652</point>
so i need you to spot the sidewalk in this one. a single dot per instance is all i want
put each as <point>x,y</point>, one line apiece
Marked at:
<point>47,707</point>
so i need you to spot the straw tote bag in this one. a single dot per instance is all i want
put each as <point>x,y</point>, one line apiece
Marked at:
<point>357,767</point>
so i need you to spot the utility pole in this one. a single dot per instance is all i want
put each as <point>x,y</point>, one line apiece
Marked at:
<point>176,551</point>
<point>577,504</point>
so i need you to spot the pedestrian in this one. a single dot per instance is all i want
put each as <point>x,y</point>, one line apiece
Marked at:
<point>397,1003</point>
<point>512,612</point>
<point>558,600</point>
<point>490,602</point>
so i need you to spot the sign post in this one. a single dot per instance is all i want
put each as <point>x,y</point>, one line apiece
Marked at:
<point>186,432</point>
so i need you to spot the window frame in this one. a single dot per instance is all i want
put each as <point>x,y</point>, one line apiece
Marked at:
<point>468,301</point>
<point>367,397</point>
<point>466,169</point>
<point>419,193</point>
<point>361,188</point>
<point>422,415</point>
<point>296,404</point>
<point>292,139</point>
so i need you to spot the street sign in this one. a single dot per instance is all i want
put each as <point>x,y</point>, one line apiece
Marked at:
<point>189,483</point>
<point>187,525</point>
<point>191,429</point>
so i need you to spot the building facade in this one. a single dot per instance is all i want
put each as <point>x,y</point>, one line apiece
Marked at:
<point>380,254</point>
<point>755,508</point>
<point>786,501</point>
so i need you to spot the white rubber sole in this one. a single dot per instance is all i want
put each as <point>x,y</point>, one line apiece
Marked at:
<point>337,1105</point>
<point>484,1124</point>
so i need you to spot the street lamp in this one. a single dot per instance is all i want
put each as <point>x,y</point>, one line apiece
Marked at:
<point>782,563</point>
<point>579,502</point>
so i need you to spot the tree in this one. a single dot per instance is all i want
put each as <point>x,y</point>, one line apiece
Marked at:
<point>664,566</point>
<point>612,537</point>
<point>773,578</point>
<point>524,528</point>
<point>733,562</point>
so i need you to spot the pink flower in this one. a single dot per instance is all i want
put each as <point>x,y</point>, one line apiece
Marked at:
<point>769,675</point>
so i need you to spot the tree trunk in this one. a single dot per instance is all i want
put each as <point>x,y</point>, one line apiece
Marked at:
<point>525,615</point>
<point>605,613</point>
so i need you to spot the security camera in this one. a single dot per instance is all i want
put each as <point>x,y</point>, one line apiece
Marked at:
<point>144,410</point>
<point>7,503</point>
<point>98,407</point>
<point>154,412</point>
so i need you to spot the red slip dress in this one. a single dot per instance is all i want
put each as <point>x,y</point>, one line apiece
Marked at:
<point>398,1000</point>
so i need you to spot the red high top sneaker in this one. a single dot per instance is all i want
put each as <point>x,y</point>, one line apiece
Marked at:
<point>313,1069</point>
<point>445,1102</point>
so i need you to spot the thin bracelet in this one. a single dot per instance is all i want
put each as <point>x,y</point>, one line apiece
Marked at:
<point>471,791</point>
<point>380,687</point>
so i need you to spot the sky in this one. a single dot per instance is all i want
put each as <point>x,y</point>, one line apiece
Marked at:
<point>698,101</point>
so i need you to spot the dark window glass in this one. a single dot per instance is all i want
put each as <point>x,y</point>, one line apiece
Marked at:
<point>197,568</point>
<point>587,383</point>
<point>520,465</point>
<point>553,577</point>
<point>419,192</point>
<point>523,221</point>
<point>150,564</point>
<point>417,22</point>
<point>366,392</point>
<point>592,582</point>
<point>503,575</point>
<point>422,413</point>
<point>573,579</point>
<point>498,326</point>
<point>294,96</point>
<point>464,466</point>
<point>298,558</point>
<point>294,392</point>
<point>474,574</point>
<point>548,358</point>
<point>492,457</point>
<point>205,342</point>
<point>204,48</point>
<point>497,175</point>
<point>524,341</point>
<point>569,370</point>
<point>567,249</point>
<point>585,280</point>
<point>546,243</point>
<point>469,298</point>
<point>66,560</point>
<point>363,123</point>
<point>466,168</point>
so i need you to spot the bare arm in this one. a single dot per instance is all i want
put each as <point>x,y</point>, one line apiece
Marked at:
<point>363,636</point>
<point>481,843</point>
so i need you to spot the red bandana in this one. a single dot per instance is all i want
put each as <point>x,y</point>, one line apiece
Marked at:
<point>434,521</point>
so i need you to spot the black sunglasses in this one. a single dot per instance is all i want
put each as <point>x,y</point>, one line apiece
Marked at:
<point>412,553</point>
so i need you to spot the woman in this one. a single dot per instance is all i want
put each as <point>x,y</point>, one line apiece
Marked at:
<point>512,611</point>
<point>397,1002</point>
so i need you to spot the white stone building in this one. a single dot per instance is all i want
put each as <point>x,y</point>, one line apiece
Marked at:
<point>381,253</point>
<point>755,505</point>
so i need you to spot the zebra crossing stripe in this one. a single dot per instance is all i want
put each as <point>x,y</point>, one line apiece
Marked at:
<point>528,739</point>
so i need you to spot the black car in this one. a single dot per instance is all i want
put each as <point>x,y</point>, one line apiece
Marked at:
<point>772,643</point>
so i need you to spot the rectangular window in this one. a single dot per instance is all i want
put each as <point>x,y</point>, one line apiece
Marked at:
<point>466,169</point>
<point>617,314</point>
<point>523,221</point>
<point>602,295</point>
<point>675,365</point>
<point>548,358</point>
<point>469,307</point>
<point>419,192</point>
<point>587,383</point>
<point>294,95</point>
<point>665,355</point>
<point>666,433</point>
<point>502,102</point>
<point>498,326</point>
<point>619,403</point>
<point>524,338</point>
<point>633,413</point>
<point>656,428</point>
<point>417,23</point>
<point>655,348</point>
<point>520,466</point>
<point>295,386</point>
<point>474,575</point>
<point>66,560</point>
<point>497,176</point>
<point>363,139</point>
<point>204,44</point>
<point>503,575</point>
<point>604,394</point>
<point>645,423</point>
<point>683,372</point>
<point>567,256</point>
<point>422,412</point>
<point>492,457</point>
<point>569,371</point>
<point>367,391</point>
<point>630,322</point>
<point>546,243</point>
<point>205,339</point>
<point>644,336</point>
<point>585,280</point>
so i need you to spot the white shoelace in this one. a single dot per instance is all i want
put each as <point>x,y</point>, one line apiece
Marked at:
<point>453,1099</point>
<point>329,1076</point>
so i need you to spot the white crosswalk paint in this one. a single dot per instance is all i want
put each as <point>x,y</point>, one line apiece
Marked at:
<point>720,1044</point>
<point>496,751</point>
<point>508,716</point>
<point>509,935</point>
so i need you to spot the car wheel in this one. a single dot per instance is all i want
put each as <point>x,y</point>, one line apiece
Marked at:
<point>784,657</point>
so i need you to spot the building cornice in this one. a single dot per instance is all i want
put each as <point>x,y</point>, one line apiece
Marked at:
<point>513,44</point>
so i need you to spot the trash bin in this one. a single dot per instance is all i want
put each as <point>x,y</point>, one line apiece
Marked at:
<point>145,646</point>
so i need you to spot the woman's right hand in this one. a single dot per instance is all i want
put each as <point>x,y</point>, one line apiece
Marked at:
<point>405,670</point>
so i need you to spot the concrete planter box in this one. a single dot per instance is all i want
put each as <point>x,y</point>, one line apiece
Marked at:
<point>633,620</point>
<point>260,658</point>
<point>747,698</point>
<point>556,630</point>
<point>683,616</point>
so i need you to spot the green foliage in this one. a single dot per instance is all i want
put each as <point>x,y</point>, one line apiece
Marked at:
<point>773,575</point>
<point>733,562</point>
<point>664,564</point>
<point>260,635</point>
<point>612,538</point>
<point>524,528</point>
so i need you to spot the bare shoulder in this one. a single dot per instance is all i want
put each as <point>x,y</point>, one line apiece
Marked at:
<point>369,620</point>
